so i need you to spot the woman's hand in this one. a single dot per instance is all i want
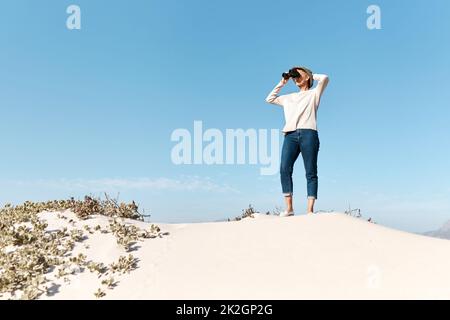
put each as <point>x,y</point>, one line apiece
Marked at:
<point>284,81</point>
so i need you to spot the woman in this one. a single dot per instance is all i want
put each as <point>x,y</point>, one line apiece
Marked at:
<point>300,132</point>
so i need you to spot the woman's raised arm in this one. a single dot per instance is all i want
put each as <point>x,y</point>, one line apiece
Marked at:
<point>323,82</point>
<point>273,96</point>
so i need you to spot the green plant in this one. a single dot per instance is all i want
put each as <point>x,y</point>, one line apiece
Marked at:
<point>246,213</point>
<point>124,264</point>
<point>28,250</point>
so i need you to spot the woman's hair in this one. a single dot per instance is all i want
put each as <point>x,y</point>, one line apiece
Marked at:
<point>308,72</point>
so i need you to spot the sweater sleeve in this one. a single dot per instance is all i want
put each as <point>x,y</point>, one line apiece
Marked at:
<point>323,82</point>
<point>273,96</point>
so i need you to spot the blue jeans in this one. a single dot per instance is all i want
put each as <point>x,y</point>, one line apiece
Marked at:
<point>306,142</point>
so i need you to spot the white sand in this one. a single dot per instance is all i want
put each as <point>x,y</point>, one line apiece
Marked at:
<point>324,256</point>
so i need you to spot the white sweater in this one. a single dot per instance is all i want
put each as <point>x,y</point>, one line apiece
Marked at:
<point>300,108</point>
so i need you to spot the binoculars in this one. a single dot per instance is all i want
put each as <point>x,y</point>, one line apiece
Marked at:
<point>292,73</point>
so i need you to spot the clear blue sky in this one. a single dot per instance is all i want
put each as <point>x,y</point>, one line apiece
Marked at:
<point>92,110</point>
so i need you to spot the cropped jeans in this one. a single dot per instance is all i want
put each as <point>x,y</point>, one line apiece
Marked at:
<point>306,142</point>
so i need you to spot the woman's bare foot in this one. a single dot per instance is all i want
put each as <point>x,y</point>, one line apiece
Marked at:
<point>310,208</point>
<point>288,200</point>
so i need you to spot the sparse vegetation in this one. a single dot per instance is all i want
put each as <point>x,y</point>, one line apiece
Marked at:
<point>109,283</point>
<point>275,212</point>
<point>99,293</point>
<point>124,265</point>
<point>246,213</point>
<point>356,213</point>
<point>28,251</point>
<point>127,235</point>
<point>98,267</point>
<point>250,211</point>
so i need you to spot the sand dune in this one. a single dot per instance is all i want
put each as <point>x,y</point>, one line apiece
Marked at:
<point>324,256</point>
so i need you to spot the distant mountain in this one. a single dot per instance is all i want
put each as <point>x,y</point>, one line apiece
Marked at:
<point>443,232</point>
